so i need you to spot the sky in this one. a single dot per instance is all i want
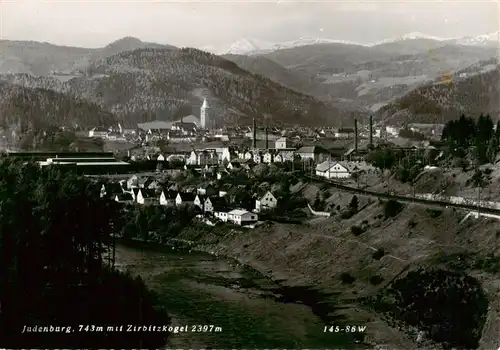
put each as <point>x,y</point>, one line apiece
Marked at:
<point>215,25</point>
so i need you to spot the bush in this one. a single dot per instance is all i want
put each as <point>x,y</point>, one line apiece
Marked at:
<point>450,306</point>
<point>392,208</point>
<point>376,280</point>
<point>378,254</point>
<point>347,278</point>
<point>356,230</point>
<point>347,214</point>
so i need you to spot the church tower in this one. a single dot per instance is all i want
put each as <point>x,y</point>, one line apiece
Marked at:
<point>204,114</point>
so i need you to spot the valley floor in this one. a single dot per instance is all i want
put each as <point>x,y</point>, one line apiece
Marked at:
<point>318,252</point>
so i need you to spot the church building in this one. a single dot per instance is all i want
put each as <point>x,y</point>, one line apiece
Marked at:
<point>204,114</point>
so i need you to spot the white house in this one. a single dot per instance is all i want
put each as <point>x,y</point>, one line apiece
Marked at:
<point>199,201</point>
<point>248,155</point>
<point>192,159</point>
<point>278,158</point>
<point>167,198</point>
<point>221,214</point>
<point>257,157</point>
<point>203,157</point>
<point>280,143</point>
<point>331,170</point>
<point>223,154</point>
<point>134,193</point>
<point>268,157</point>
<point>267,201</point>
<point>98,132</point>
<point>145,196</point>
<point>241,217</point>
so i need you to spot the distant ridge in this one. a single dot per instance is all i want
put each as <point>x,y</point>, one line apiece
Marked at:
<point>256,46</point>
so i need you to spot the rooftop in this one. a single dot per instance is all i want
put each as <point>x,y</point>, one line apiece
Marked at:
<point>238,212</point>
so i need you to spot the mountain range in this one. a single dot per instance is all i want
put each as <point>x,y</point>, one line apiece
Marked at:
<point>164,83</point>
<point>247,46</point>
<point>43,58</point>
<point>365,77</point>
<point>323,82</point>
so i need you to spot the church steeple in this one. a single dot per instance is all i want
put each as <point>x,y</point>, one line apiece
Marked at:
<point>204,114</point>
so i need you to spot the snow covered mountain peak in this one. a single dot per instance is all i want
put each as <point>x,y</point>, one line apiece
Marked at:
<point>483,39</point>
<point>254,46</point>
<point>408,36</point>
<point>245,45</point>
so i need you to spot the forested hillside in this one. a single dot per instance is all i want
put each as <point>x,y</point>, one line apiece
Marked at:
<point>37,108</point>
<point>149,84</point>
<point>447,99</point>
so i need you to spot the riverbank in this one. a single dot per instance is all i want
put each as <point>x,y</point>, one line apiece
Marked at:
<point>330,255</point>
<point>325,253</point>
<point>250,309</point>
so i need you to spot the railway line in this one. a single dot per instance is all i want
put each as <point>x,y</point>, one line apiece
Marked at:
<point>405,199</point>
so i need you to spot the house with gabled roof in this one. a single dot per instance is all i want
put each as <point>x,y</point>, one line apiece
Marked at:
<point>199,201</point>
<point>185,198</point>
<point>316,153</point>
<point>278,158</point>
<point>242,217</point>
<point>134,192</point>
<point>168,197</point>
<point>338,170</point>
<point>98,131</point>
<point>233,166</point>
<point>124,198</point>
<point>268,157</point>
<point>111,189</point>
<point>145,196</point>
<point>257,156</point>
<point>211,203</point>
<point>267,201</point>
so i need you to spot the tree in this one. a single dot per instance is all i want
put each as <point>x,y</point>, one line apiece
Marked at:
<point>461,163</point>
<point>159,167</point>
<point>353,205</point>
<point>382,158</point>
<point>53,265</point>
<point>492,150</point>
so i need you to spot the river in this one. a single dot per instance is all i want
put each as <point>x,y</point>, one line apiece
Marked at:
<point>246,309</point>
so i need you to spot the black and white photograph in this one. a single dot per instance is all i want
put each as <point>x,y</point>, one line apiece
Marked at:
<point>249,174</point>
